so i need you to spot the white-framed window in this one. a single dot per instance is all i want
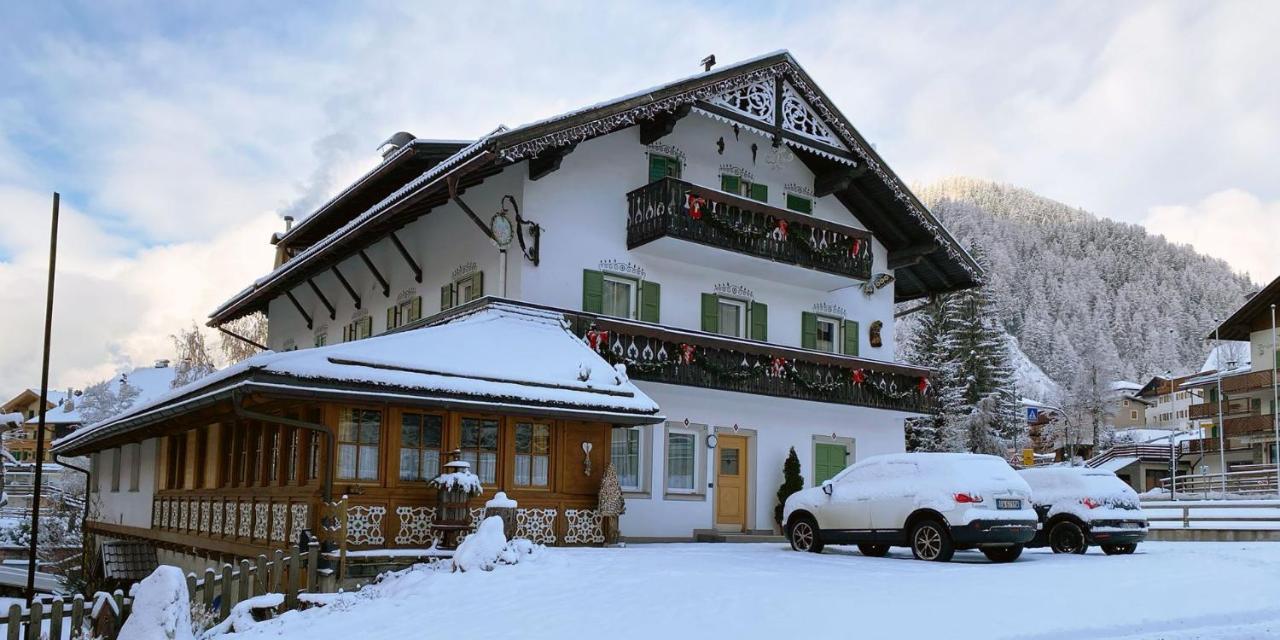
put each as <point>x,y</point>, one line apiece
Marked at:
<point>462,290</point>
<point>359,440</point>
<point>321,339</point>
<point>626,452</point>
<point>733,317</point>
<point>1133,415</point>
<point>358,329</point>
<point>404,312</point>
<point>828,336</point>
<point>619,298</point>
<point>684,460</point>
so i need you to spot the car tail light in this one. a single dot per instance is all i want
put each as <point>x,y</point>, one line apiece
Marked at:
<point>1091,503</point>
<point>967,498</point>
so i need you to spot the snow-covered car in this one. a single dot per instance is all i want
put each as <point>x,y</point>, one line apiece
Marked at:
<point>934,503</point>
<point>1079,506</point>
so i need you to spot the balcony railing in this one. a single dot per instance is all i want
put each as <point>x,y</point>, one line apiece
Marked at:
<point>1235,407</point>
<point>693,358</point>
<point>678,209</point>
<point>1252,381</point>
<point>1249,425</point>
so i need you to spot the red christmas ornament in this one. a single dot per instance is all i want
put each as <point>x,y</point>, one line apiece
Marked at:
<point>597,339</point>
<point>695,206</point>
<point>859,376</point>
<point>782,229</point>
<point>923,386</point>
<point>686,353</point>
<point>778,365</point>
<point>856,247</point>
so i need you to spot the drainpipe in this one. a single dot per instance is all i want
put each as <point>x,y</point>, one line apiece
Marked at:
<point>291,422</point>
<point>84,515</point>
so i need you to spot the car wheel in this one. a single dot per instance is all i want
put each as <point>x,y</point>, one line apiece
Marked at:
<point>1003,554</point>
<point>931,541</point>
<point>804,535</point>
<point>1119,549</point>
<point>1067,537</point>
<point>874,550</point>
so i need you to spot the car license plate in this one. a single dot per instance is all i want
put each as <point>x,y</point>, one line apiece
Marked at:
<point>1008,503</point>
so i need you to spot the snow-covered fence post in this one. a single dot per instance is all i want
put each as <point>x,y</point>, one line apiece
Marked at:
<point>246,587</point>
<point>277,570</point>
<point>291,583</point>
<point>14,625</point>
<point>36,625</point>
<point>77,614</point>
<point>224,605</point>
<point>313,566</point>
<point>210,581</point>
<point>262,579</point>
<point>55,618</point>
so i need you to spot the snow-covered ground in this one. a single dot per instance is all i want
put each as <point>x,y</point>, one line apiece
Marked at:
<point>1172,590</point>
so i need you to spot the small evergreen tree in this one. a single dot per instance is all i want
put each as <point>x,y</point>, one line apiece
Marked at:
<point>791,483</point>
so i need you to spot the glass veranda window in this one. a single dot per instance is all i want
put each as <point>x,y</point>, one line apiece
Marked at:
<point>420,446</point>
<point>624,452</point>
<point>533,454</point>
<point>480,447</point>
<point>359,437</point>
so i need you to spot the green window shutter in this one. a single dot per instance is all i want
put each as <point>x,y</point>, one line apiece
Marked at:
<point>710,313</point>
<point>851,337</point>
<point>446,296</point>
<point>592,291</point>
<point>477,287</point>
<point>799,204</point>
<point>808,330</point>
<point>829,459</point>
<point>662,166</point>
<point>367,325</point>
<point>759,321</point>
<point>391,317</point>
<point>1213,394</point>
<point>731,184</point>
<point>760,192</point>
<point>650,298</point>
<point>415,309</point>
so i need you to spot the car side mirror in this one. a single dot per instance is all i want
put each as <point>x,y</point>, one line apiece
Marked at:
<point>827,487</point>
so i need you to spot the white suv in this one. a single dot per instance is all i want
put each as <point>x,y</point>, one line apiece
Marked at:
<point>934,503</point>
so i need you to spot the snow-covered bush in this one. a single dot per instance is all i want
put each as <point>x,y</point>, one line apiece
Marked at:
<point>488,547</point>
<point>161,608</point>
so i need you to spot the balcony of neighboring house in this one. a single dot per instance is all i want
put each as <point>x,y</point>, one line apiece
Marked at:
<point>1251,381</point>
<point>699,359</point>
<point>747,236</point>
<point>1230,408</point>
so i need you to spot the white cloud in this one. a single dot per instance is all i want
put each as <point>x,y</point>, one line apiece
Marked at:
<point>1234,225</point>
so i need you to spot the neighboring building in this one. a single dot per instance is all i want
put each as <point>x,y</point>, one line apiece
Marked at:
<point>1246,375</point>
<point>1127,409</point>
<point>23,416</point>
<point>729,238</point>
<point>1168,405</point>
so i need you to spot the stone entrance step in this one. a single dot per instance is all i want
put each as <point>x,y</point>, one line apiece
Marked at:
<point>711,535</point>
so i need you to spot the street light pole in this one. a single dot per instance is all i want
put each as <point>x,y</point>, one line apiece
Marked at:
<point>44,399</point>
<point>1222,439</point>
<point>1275,398</point>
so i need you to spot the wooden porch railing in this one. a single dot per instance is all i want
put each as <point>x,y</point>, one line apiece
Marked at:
<point>218,591</point>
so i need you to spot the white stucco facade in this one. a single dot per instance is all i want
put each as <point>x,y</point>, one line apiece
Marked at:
<point>582,208</point>
<point>123,484</point>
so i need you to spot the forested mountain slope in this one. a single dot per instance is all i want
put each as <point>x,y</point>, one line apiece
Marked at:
<point>1071,286</point>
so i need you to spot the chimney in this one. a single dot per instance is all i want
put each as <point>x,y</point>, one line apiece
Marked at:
<point>288,223</point>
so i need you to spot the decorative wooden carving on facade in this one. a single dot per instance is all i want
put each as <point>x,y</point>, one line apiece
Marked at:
<point>537,525</point>
<point>364,525</point>
<point>584,526</point>
<point>414,525</point>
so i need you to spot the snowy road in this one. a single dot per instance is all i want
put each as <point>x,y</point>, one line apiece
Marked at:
<point>1166,590</point>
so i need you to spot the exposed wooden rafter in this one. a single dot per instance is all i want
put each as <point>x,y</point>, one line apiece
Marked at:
<point>837,179</point>
<point>333,314</point>
<point>346,285</point>
<point>910,255</point>
<point>656,128</point>
<point>305,316</point>
<point>377,275</point>
<point>548,161</point>
<point>404,253</point>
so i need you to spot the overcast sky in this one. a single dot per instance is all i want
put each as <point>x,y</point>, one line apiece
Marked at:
<point>178,133</point>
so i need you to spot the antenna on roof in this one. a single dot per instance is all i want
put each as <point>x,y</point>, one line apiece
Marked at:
<point>708,62</point>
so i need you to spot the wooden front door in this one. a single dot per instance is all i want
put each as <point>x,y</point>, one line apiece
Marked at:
<point>733,478</point>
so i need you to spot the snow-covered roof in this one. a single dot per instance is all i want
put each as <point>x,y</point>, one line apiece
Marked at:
<point>150,382</point>
<point>1221,357</point>
<point>499,355</point>
<point>1125,385</point>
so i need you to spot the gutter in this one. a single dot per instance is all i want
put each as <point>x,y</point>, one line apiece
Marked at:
<point>301,424</point>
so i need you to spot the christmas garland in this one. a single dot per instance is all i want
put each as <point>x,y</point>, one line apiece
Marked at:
<point>647,360</point>
<point>715,214</point>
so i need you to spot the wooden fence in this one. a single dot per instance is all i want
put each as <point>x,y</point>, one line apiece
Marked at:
<point>217,591</point>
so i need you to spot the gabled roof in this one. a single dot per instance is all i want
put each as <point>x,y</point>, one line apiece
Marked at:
<point>1253,315</point>
<point>929,258</point>
<point>501,356</point>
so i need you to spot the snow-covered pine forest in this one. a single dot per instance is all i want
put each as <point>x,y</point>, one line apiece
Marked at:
<point>1076,289</point>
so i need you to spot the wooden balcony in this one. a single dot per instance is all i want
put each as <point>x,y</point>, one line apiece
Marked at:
<point>1252,381</point>
<point>1253,424</point>
<point>1209,410</point>
<point>693,358</point>
<point>672,208</point>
